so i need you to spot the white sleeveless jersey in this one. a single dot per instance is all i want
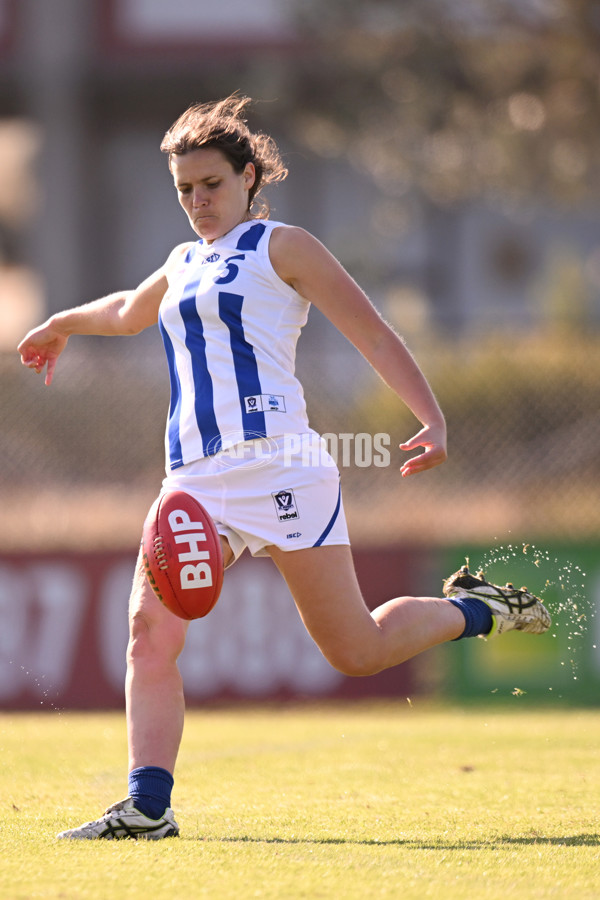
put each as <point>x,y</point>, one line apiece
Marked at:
<point>230,326</point>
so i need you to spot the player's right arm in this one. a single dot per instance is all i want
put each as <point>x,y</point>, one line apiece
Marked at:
<point>121,313</point>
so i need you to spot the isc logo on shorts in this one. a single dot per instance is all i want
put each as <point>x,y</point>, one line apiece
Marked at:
<point>285,505</point>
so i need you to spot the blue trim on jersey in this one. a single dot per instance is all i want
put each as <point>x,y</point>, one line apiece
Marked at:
<point>204,405</point>
<point>244,363</point>
<point>175,451</point>
<point>331,522</point>
<point>249,240</point>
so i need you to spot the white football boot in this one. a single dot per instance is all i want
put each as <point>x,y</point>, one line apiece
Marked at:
<point>123,820</point>
<point>512,608</point>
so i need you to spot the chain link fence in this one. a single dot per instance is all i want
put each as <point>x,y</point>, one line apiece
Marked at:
<point>83,459</point>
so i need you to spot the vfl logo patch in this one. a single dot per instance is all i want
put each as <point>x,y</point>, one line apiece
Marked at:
<point>264,403</point>
<point>285,505</point>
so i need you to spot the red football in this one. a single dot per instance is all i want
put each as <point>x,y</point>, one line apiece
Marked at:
<point>182,555</point>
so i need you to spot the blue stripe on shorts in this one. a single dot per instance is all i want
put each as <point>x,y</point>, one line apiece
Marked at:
<point>331,522</point>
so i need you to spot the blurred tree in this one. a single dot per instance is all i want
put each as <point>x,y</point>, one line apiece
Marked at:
<point>457,97</point>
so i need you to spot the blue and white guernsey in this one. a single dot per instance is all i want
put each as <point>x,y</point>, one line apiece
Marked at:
<point>230,326</point>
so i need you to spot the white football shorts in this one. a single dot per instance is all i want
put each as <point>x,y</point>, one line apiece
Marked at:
<point>283,491</point>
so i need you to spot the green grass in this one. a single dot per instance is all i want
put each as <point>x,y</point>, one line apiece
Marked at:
<point>315,802</point>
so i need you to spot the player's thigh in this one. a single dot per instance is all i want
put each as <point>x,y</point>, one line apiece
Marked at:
<point>152,626</point>
<point>323,583</point>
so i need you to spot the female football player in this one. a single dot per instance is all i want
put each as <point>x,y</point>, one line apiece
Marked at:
<point>230,307</point>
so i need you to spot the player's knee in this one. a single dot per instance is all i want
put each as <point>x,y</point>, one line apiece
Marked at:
<point>154,642</point>
<point>356,663</point>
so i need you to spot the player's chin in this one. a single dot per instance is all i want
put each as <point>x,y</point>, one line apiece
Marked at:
<point>207,227</point>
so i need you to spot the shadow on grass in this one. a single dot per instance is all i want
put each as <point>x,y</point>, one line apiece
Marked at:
<point>575,840</point>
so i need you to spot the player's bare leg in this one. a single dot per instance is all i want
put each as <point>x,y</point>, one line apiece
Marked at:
<point>153,687</point>
<point>323,583</point>
<point>155,706</point>
<point>155,710</point>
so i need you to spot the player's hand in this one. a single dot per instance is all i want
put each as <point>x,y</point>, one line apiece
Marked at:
<point>42,347</point>
<point>433,439</point>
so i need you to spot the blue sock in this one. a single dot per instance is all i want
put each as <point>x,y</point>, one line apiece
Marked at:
<point>151,789</point>
<point>478,616</point>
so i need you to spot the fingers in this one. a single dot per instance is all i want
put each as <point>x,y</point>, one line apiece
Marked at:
<point>29,353</point>
<point>410,445</point>
<point>37,362</point>
<point>424,461</point>
<point>433,455</point>
<point>34,361</point>
<point>428,436</point>
<point>50,372</point>
<point>419,440</point>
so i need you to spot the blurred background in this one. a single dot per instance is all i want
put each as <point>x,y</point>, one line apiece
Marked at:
<point>447,151</point>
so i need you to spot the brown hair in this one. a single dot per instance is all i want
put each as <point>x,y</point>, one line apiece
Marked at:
<point>221,124</point>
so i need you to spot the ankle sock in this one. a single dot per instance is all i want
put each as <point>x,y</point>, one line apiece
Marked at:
<point>150,787</point>
<point>478,616</point>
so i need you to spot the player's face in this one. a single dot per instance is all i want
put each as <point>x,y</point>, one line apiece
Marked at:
<point>213,195</point>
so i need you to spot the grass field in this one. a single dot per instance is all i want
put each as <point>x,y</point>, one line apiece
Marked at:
<point>364,800</point>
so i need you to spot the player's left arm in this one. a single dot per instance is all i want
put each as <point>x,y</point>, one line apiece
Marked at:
<point>306,265</point>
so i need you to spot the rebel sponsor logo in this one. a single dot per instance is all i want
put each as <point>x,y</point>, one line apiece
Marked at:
<point>285,505</point>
